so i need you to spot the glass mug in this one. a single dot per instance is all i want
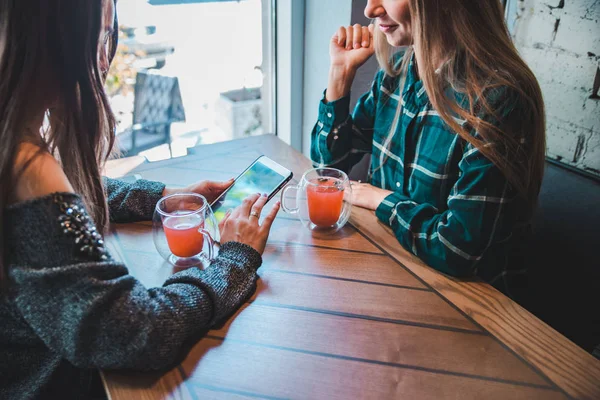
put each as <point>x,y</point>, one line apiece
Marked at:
<point>185,230</point>
<point>323,199</point>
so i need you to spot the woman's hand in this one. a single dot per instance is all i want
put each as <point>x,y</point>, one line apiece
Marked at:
<point>350,48</point>
<point>368,196</point>
<point>209,189</point>
<point>241,225</point>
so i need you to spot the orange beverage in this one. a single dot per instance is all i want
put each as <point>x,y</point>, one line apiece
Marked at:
<point>325,200</point>
<point>183,234</point>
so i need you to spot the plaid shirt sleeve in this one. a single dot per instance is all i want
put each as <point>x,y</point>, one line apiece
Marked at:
<point>339,139</point>
<point>454,241</point>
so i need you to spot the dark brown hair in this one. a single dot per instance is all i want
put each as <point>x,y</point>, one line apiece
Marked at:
<point>472,39</point>
<point>49,65</point>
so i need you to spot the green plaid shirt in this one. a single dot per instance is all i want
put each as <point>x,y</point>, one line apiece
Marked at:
<point>451,206</point>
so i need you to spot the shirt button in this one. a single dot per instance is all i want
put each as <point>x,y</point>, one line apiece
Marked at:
<point>329,115</point>
<point>335,130</point>
<point>398,184</point>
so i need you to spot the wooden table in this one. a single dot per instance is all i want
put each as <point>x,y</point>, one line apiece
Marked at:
<point>351,316</point>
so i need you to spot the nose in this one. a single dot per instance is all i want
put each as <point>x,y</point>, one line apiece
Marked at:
<point>374,9</point>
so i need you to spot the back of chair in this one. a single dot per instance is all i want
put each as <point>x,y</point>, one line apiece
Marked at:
<point>564,267</point>
<point>157,100</point>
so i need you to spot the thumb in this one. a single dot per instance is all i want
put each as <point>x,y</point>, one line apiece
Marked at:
<point>223,185</point>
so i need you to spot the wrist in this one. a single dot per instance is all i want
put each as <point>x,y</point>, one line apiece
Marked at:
<point>340,82</point>
<point>342,72</point>
<point>380,197</point>
<point>242,254</point>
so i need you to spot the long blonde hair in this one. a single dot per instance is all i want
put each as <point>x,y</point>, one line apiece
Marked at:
<point>472,40</point>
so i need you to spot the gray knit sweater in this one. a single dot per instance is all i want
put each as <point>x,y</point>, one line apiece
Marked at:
<point>71,309</point>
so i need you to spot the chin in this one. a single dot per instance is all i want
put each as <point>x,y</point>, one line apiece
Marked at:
<point>399,41</point>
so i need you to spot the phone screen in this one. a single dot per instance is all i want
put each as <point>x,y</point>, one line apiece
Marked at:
<point>258,178</point>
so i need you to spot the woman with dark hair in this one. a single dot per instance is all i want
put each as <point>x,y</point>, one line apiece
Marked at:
<point>455,125</point>
<point>66,307</point>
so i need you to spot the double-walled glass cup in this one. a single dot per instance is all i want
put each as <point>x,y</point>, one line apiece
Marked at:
<point>185,230</point>
<point>323,199</point>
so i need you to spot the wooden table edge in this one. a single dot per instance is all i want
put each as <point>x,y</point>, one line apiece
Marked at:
<point>526,347</point>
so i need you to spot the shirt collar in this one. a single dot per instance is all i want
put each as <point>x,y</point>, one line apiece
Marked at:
<point>414,83</point>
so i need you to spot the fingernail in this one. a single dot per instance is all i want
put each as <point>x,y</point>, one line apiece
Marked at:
<point>264,195</point>
<point>365,44</point>
<point>356,45</point>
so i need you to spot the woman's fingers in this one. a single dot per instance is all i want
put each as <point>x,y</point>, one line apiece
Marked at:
<point>349,36</point>
<point>257,208</point>
<point>244,209</point>
<point>268,221</point>
<point>353,36</point>
<point>245,228</point>
<point>366,36</point>
<point>357,36</point>
<point>341,36</point>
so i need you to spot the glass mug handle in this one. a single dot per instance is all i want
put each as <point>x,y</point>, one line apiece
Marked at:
<point>212,221</point>
<point>283,201</point>
<point>211,242</point>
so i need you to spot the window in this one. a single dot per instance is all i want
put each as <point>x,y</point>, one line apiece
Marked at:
<point>191,72</point>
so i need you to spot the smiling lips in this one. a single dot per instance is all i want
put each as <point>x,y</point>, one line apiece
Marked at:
<point>387,28</point>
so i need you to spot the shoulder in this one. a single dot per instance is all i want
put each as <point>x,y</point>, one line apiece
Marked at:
<point>502,96</point>
<point>37,174</point>
<point>496,103</point>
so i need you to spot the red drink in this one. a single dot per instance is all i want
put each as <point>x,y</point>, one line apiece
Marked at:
<point>183,234</point>
<point>325,200</point>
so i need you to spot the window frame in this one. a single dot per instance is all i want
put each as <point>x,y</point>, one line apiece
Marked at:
<point>289,60</point>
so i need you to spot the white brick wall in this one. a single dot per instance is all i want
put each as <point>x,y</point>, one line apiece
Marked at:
<point>560,40</point>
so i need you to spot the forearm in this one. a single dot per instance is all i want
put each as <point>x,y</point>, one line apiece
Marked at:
<point>418,228</point>
<point>454,240</point>
<point>340,139</point>
<point>340,83</point>
<point>85,306</point>
<point>130,202</point>
<point>96,315</point>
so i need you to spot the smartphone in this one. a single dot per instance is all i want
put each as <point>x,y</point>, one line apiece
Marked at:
<point>262,176</point>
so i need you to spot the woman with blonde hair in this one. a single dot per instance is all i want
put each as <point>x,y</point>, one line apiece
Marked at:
<point>67,308</point>
<point>455,124</point>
